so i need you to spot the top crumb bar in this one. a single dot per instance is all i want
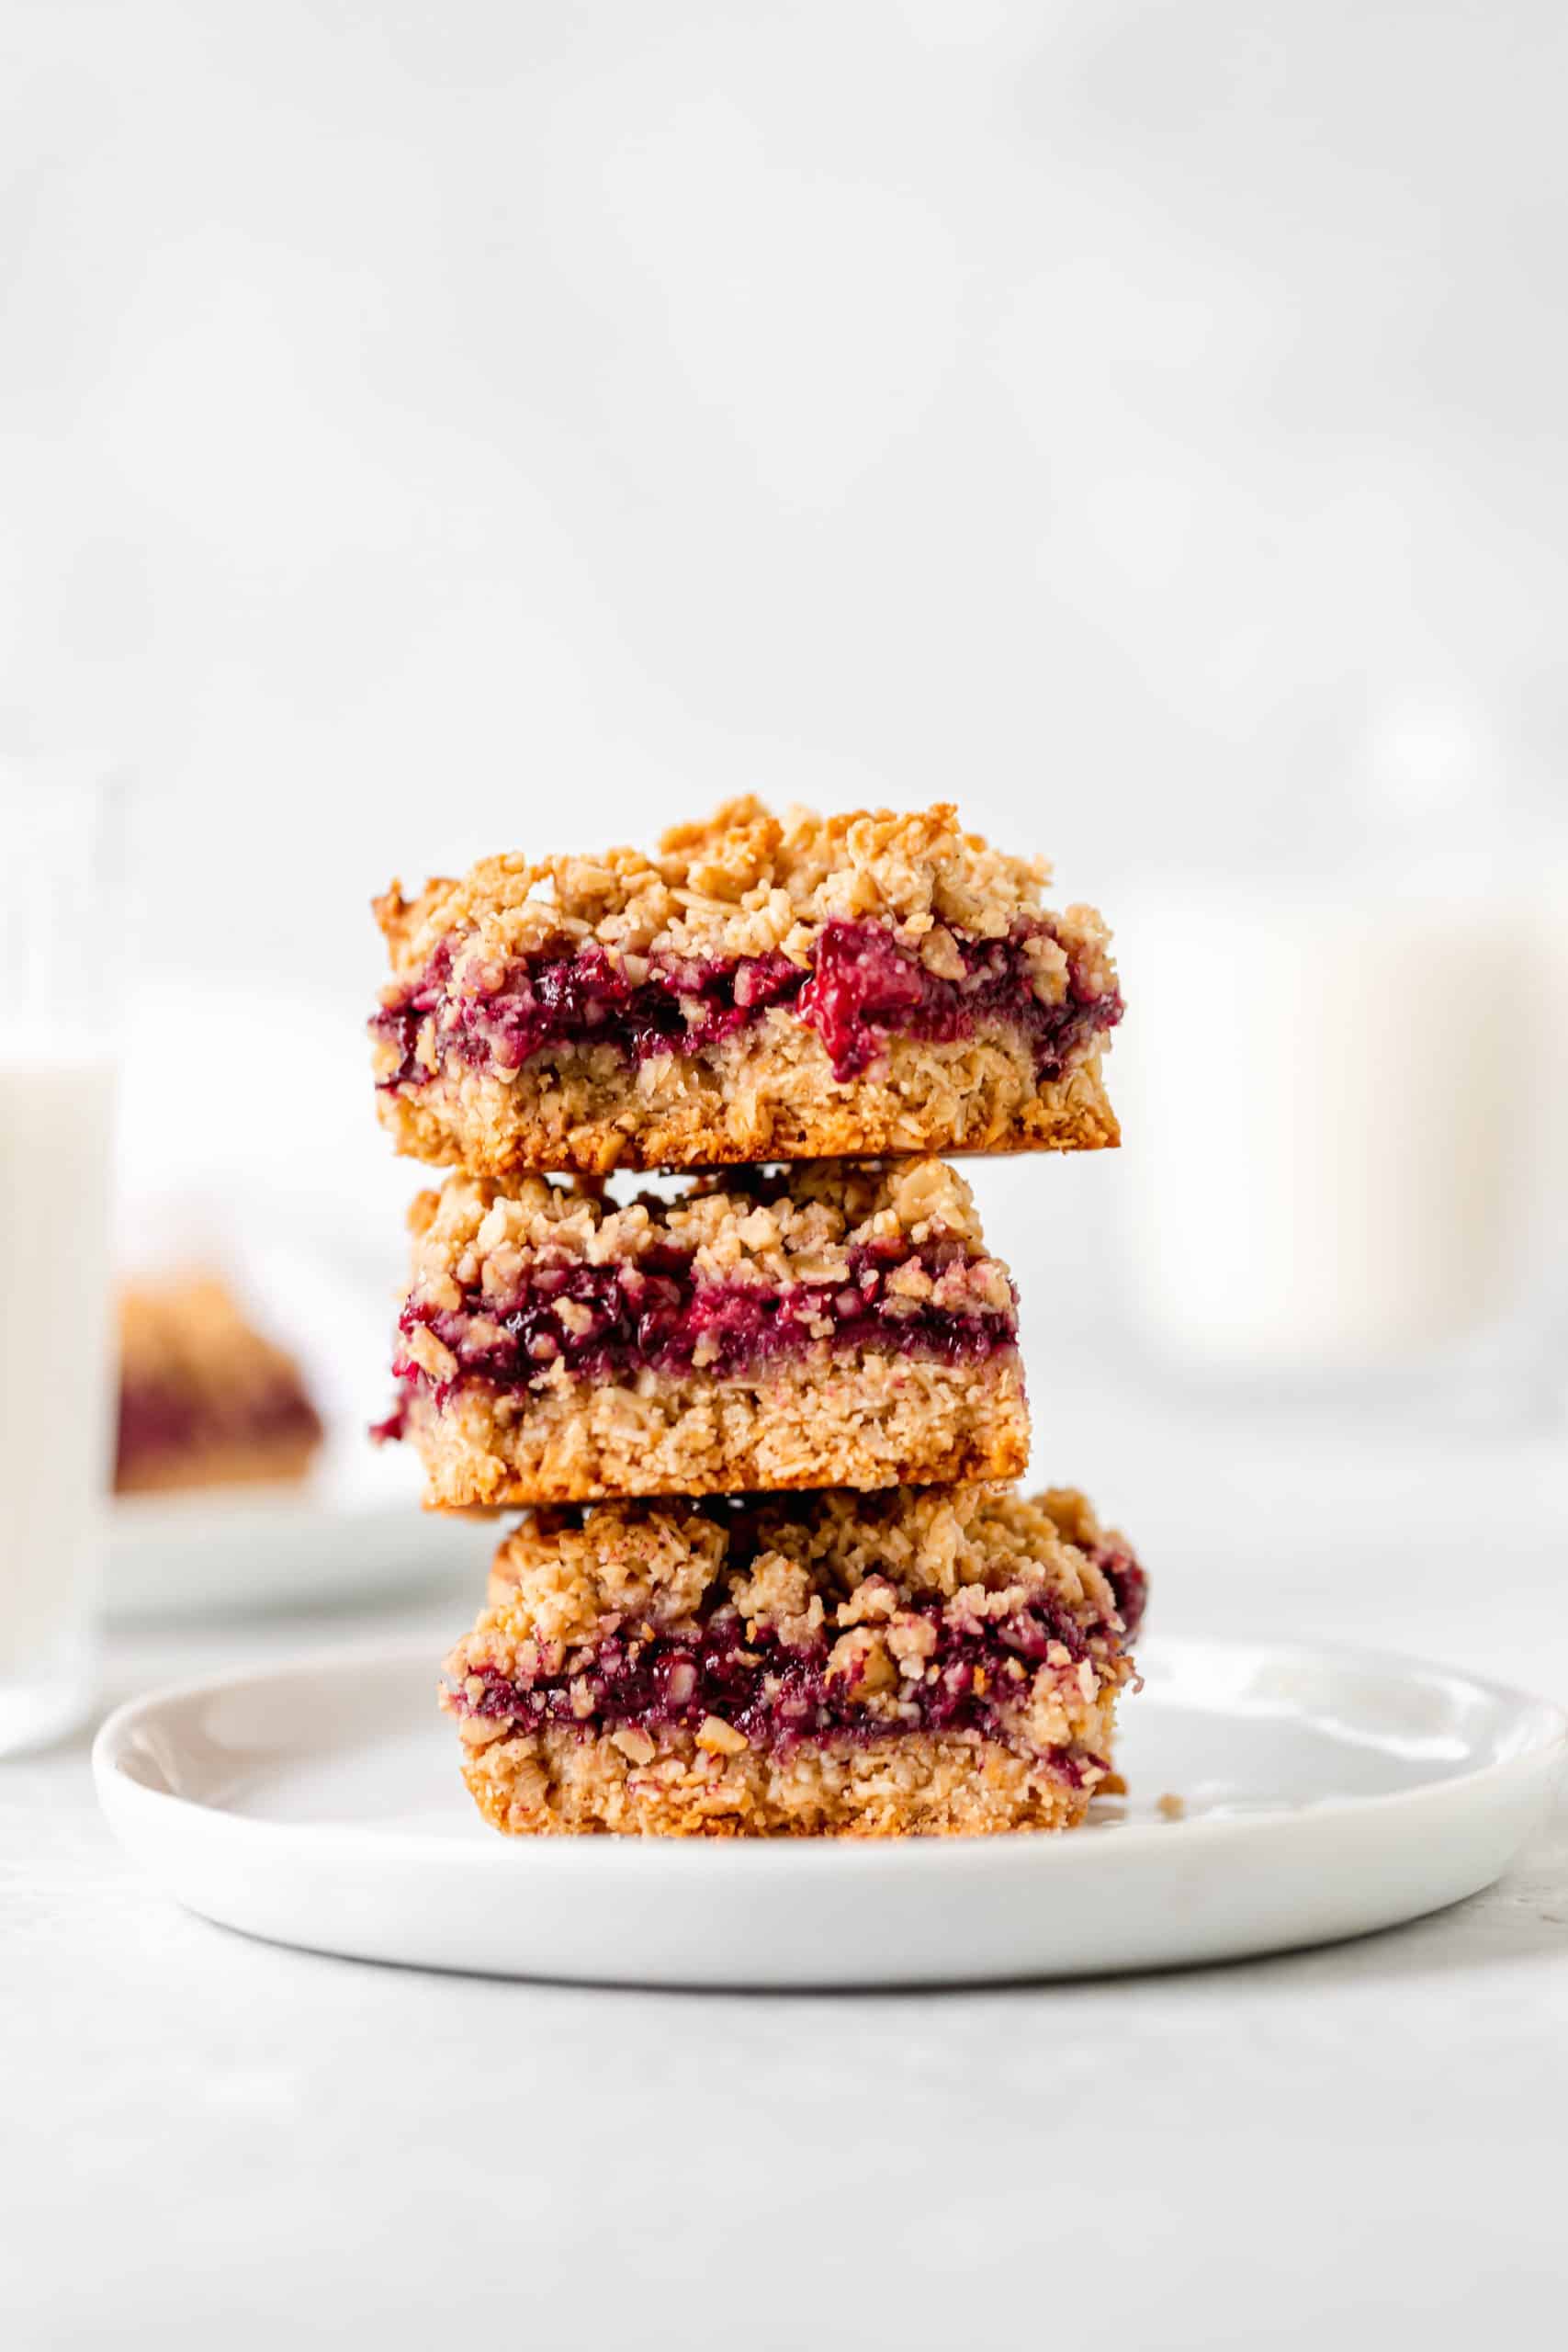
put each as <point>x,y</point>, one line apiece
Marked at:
<point>758,989</point>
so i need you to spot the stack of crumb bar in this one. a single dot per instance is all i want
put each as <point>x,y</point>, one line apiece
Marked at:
<point>759,1421</point>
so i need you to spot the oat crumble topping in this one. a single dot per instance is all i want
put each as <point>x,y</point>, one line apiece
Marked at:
<point>742,883</point>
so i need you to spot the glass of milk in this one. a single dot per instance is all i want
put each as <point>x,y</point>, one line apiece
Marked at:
<point>1339,1086</point>
<point>1331,1113</point>
<point>59,903</point>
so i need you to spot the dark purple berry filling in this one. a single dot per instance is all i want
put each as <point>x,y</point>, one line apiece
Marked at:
<point>610,1321</point>
<point>1129,1582</point>
<point>864,989</point>
<point>861,989</point>
<point>158,1421</point>
<point>777,1695</point>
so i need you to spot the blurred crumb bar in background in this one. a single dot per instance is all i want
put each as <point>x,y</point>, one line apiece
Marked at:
<point>205,1398</point>
<point>758,988</point>
<point>836,1325</point>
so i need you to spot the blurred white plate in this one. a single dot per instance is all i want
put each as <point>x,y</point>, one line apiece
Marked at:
<point>222,1552</point>
<point>1323,1793</point>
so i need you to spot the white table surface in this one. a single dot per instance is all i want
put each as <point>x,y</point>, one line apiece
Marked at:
<point>207,2140</point>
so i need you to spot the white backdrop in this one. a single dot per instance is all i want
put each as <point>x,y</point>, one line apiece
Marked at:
<point>431,428</point>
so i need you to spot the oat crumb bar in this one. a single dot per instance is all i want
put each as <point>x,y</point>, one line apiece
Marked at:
<point>825,1325</point>
<point>205,1398</point>
<point>758,988</point>
<point>904,1663</point>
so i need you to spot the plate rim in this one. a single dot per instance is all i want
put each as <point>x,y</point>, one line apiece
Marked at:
<point>158,1550</point>
<point>1544,1720</point>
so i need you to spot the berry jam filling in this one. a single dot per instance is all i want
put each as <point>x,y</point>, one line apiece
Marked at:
<point>864,989</point>
<point>777,1695</point>
<point>861,989</point>
<point>608,1322</point>
<point>1129,1582</point>
<point>155,1421</point>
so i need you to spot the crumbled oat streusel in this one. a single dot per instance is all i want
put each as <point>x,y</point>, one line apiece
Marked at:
<point>785,1667</point>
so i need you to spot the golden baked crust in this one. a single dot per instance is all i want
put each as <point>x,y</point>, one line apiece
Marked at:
<point>553,1783</point>
<point>830,1416</point>
<point>870,1586</point>
<point>767,1093</point>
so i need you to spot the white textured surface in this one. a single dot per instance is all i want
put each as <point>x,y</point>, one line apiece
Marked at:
<point>207,2139</point>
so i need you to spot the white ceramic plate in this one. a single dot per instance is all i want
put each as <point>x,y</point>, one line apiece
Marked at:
<point>1322,1793</point>
<point>223,1551</point>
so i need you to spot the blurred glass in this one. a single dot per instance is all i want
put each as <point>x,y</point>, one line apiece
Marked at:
<point>1336,1084</point>
<point>61,897</point>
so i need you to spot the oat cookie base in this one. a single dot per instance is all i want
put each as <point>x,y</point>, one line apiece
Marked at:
<point>281,1463</point>
<point>831,1418</point>
<point>768,1093</point>
<point>917,1785</point>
